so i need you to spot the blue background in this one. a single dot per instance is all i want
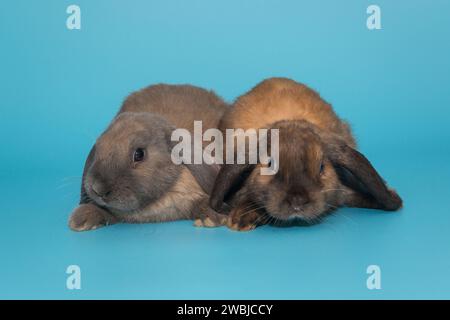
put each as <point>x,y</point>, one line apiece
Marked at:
<point>59,88</point>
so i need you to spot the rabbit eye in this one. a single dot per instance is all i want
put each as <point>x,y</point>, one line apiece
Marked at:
<point>322,167</point>
<point>139,155</point>
<point>270,162</point>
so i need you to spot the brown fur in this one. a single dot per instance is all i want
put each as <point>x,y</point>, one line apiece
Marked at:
<point>117,189</point>
<point>281,99</point>
<point>319,168</point>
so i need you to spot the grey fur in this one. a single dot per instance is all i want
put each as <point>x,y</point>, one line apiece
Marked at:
<point>117,189</point>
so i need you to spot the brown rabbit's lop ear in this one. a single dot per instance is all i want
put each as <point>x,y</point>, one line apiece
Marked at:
<point>356,172</point>
<point>228,181</point>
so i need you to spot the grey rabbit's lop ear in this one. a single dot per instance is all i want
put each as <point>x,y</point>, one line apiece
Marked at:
<point>204,174</point>
<point>228,181</point>
<point>84,198</point>
<point>356,172</point>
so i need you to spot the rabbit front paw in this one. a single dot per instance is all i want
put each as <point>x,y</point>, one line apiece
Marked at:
<point>90,217</point>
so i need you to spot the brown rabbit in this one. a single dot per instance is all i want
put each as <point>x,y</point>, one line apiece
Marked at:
<point>319,166</point>
<point>129,175</point>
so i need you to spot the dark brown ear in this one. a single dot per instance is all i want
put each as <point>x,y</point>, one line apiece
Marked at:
<point>356,172</point>
<point>228,182</point>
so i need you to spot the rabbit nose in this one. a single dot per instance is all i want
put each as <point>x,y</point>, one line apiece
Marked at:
<point>298,202</point>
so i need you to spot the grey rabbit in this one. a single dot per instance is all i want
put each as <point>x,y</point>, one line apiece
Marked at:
<point>129,176</point>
